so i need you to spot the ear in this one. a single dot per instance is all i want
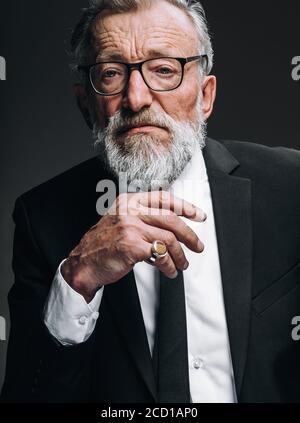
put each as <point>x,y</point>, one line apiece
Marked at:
<point>83,103</point>
<point>209,90</point>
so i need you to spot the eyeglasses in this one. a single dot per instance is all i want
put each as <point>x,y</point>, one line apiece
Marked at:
<point>161,74</point>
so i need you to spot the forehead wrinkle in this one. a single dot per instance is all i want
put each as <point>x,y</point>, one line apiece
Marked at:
<point>106,35</point>
<point>160,17</point>
<point>136,42</point>
<point>154,31</point>
<point>106,41</point>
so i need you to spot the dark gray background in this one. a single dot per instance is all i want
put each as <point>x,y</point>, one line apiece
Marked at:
<point>42,133</point>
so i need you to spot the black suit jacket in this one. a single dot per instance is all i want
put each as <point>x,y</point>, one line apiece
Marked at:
<point>256,199</point>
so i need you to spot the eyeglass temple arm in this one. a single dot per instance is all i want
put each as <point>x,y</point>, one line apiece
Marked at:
<point>202,56</point>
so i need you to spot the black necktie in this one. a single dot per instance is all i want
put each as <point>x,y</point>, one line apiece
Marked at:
<point>170,355</point>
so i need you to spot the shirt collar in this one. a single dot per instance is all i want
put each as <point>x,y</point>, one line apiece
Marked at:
<point>194,172</point>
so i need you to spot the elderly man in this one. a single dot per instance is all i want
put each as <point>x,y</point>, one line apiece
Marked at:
<point>185,288</point>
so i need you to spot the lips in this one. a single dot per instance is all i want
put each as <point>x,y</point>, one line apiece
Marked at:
<point>140,125</point>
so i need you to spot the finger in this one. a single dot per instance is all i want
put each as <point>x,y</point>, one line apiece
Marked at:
<point>167,201</point>
<point>165,264</point>
<point>174,248</point>
<point>172,223</point>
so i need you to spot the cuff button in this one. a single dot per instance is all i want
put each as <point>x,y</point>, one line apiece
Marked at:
<point>82,320</point>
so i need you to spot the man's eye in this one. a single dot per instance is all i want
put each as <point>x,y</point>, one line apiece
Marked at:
<point>164,70</point>
<point>110,73</point>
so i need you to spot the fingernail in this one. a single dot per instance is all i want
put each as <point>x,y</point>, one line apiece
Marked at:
<point>202,215</point>
<point>186,265</point>
<point>200,246</point>
<point>174,276</point>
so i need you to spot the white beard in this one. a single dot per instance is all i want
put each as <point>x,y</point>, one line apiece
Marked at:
<point>146,166</point>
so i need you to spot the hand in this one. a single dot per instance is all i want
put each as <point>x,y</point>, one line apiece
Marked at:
<point>124,236</point>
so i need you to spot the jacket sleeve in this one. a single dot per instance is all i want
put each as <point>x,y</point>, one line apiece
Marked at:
<point>38,369</point>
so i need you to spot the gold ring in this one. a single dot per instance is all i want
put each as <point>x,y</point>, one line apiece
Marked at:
<point>158,250</point>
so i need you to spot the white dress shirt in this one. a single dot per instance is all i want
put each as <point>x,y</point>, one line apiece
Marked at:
<point>71,320</point>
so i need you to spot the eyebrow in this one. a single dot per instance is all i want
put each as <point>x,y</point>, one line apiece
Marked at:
<point>117,56</point>
<point>109,56</point>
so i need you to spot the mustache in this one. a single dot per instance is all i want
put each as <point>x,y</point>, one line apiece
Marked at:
<point>122,121</point>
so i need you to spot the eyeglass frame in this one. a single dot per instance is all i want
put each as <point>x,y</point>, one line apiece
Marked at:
<point>138,66</point>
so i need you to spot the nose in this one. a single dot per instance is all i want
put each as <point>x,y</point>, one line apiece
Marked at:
<point>137,95</point>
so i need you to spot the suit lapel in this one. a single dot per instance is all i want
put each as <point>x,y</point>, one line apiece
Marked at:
<point>231,197</point>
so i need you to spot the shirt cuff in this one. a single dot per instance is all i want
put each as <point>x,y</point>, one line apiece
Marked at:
<point>67,315</point>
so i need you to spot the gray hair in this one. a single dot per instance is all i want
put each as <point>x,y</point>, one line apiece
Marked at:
<point>81,41</point>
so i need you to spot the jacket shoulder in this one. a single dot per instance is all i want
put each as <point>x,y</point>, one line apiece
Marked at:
<point>55,214</point>
<point>254,154</point>
<point>73,182</point>
<point>274,171</point>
